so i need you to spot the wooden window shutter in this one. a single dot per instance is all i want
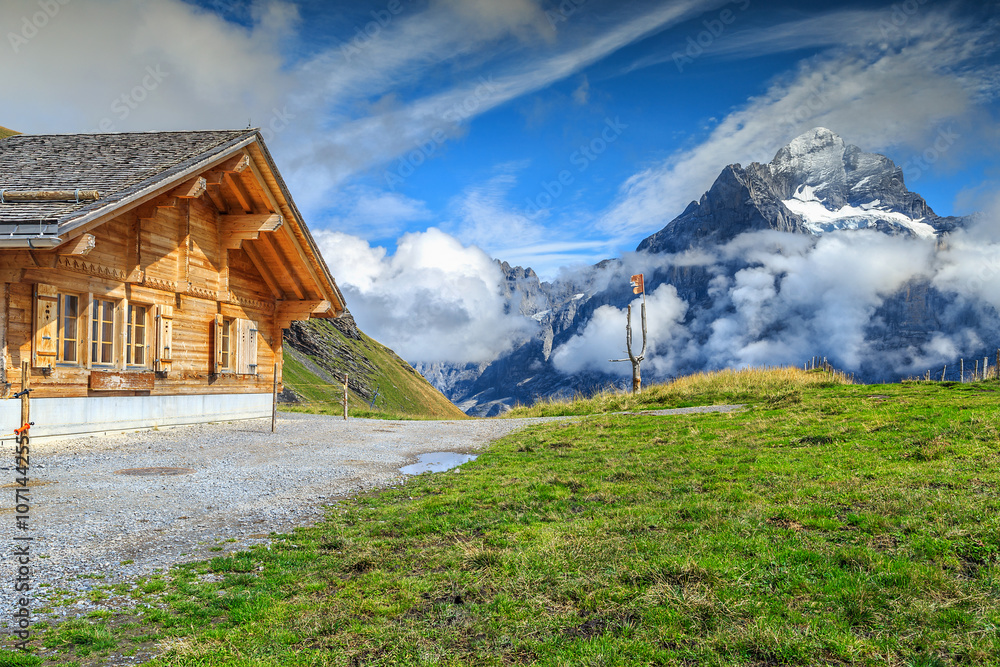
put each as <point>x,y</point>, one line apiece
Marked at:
<point>164,337</point>
<point>245,337</point>
<point>240,345</point>
<point>121,329</point>
<point>217,349</point>
<point>46,339</point>
<point>251,347</point>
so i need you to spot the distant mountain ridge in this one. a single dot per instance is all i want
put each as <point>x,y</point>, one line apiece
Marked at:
<point>814,186</point>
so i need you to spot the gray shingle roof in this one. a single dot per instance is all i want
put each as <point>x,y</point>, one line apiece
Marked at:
<point>119,166</point>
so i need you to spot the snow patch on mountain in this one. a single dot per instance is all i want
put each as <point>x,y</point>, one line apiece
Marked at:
<point>818,218</point>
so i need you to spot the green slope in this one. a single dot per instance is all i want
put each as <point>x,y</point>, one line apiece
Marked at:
<point>319,352</point>
<point>4,132</point>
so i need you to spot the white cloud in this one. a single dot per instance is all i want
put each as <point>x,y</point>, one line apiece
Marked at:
<point>433,300</point>
<point>137,65</point>
<point>604,335</point>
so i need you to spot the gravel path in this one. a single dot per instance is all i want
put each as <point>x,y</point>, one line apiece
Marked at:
<point>93,526</point>
<point>245,482</point>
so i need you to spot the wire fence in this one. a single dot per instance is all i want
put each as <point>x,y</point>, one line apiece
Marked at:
<point>967,370</point>
<point>331,396</point>
<point>961,370</point>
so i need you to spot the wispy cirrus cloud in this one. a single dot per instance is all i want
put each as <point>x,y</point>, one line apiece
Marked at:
<point>890,95</point>
<point>393,125</point>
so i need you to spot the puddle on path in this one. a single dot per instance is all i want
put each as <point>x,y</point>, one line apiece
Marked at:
<point>437,462</point>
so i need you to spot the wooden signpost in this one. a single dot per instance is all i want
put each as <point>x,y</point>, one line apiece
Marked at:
<point>638,287</point>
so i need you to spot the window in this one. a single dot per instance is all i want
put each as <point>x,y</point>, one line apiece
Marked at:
<point>69,338</point>
<point>225,347</point>
<point>56,338</point>
<point>235,346</point>
<point>102,335</point>
<point>135,336</point>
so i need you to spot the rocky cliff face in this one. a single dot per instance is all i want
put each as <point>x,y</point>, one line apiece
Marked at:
<point>816,185</point>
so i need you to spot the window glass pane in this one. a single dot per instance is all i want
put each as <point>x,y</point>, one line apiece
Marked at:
<point>136,334</point>
<point>68,311</point>
<point>103,346</point>
<point>226,325</point>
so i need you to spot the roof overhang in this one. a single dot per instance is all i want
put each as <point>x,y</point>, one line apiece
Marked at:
<point>331,303</point>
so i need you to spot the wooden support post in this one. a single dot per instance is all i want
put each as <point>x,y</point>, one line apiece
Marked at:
<point>25,387</point>
<point>975,373</point>
<point>961,370</point>
<point>274,400</point>
<point>943,372</point>
<point>345,396</point>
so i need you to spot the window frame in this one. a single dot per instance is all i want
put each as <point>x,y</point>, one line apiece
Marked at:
<point>98,342</point>
<point>226,350</point>
<point>130,331</point>
<point>61,339</point>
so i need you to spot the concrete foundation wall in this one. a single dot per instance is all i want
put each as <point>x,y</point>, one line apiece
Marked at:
<point>70,417</point>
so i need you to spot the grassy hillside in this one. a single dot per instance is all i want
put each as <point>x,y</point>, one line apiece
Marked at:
<point>826,524</point>
<point>4,132</point>
<point>319,352</point>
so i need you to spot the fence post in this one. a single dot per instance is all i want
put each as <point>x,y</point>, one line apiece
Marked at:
<point>961,366</point>
<point>943,372</point>
<point>25,390</point>
<point>345,396</point>
<point>274,400</point>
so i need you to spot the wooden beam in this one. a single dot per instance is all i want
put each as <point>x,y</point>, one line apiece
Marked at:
<point>214,192</point>
<point>236,164</point>
<point>133,248</point>
<point>9,196</point>
<point>79,246</point>
<point>289,311</point>
<point>11,275</point>
<point>264,270</point>
<point>191,189</point>
<point>323,309</point>
<point>300,291</point>
<point>240,192</point>
<point>257,222</point>
<point>263,186</point>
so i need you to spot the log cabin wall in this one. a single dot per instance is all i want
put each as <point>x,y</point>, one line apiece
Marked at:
<point>183,265</point>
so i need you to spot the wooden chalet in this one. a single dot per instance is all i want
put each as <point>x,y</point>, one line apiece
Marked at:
<point>147,278</point>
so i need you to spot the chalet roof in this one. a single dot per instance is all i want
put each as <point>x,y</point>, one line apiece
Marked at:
<point>129,168</point>
<point>119,166</point>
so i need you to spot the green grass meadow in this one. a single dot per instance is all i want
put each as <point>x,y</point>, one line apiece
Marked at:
<point>825,524</point>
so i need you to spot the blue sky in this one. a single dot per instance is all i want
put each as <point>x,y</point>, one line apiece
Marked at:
<point>542,133</point>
